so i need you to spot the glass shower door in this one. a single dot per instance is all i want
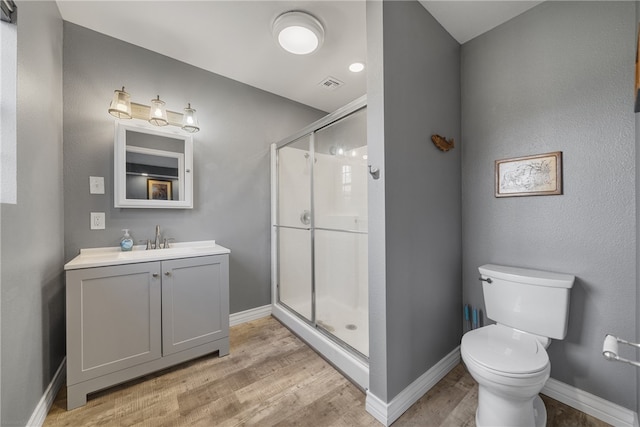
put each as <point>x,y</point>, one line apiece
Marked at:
<point>293,226</point>
<point>340,230</point>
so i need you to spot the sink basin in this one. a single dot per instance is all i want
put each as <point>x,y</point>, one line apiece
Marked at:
<point>97,257</point>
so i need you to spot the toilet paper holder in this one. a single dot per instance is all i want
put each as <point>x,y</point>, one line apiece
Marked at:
<point>610,349</point>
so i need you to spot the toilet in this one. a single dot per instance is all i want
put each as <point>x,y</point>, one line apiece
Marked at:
<point>508,359</point>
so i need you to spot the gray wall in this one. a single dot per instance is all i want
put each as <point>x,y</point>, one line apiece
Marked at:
<point>422,196</point>
<point>559,77</point>
<point>231,154</point>
<point>32,294</point>
<point>637,160</point>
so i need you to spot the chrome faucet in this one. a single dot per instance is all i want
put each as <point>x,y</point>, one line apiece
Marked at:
<point>158,238</point>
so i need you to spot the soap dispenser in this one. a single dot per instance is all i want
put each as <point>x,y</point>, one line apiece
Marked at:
<point>126,243</point>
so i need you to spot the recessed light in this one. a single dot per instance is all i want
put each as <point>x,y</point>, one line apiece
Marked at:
<point>298,32</point>
<point>356,67</point>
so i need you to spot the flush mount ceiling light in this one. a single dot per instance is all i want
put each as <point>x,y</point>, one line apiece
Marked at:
<point>356,67</point>
<point>298,32</point>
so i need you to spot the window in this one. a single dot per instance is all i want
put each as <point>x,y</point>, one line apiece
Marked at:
<point>8,84</point>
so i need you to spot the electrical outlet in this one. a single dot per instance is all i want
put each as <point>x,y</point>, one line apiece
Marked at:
<point>97,220</point>
<point>96,185</point>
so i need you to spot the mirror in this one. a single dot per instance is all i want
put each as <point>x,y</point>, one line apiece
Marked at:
<point>153,167</point>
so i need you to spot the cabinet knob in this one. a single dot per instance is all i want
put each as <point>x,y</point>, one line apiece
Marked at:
<point>167,273</point>
<point>155,275</point>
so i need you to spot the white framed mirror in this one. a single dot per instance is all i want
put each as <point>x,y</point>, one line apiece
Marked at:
<point>153,167</point>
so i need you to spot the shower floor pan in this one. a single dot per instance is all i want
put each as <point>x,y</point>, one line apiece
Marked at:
<point>352,365</point>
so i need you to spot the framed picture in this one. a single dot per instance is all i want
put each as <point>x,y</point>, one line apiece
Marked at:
<point>539,175</point>
<point>159,189</point>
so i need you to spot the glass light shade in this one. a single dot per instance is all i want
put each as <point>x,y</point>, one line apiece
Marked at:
<point>356,67</point>
<point>298,32</point>
<point>189,120</point>
<point>158,113</point>
<point>120,104</point>
<point>298,40</point>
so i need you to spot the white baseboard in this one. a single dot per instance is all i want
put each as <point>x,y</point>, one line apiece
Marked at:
<point>46,401</point>
<point>376,407</point>
<point>387,413</point>
<point>249,315</point>
<point>590,404</point>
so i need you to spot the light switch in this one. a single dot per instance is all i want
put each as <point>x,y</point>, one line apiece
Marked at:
<point>96,185</point>
<point>97,220</point>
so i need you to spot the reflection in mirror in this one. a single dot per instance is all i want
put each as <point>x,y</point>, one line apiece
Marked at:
<point>152,168</point>
<point>153,174</point>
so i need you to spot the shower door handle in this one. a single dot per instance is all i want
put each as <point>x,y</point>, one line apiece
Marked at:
<point>305,217</point>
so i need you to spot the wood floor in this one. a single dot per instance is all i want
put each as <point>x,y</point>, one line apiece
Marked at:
<point>271,378</point>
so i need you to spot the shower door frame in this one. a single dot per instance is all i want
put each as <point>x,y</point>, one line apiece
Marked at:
<point>344,357</point>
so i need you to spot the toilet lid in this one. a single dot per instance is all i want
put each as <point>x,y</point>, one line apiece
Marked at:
<point>505,350</point>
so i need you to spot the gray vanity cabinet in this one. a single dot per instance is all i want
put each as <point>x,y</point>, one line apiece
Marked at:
<point>113,319</point>
<point>125,321</point>
<point>191,288</point>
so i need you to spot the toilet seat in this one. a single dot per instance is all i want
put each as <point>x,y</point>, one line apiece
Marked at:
<point>505,351</point>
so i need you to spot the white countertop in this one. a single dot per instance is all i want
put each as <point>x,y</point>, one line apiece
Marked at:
<point>100,257</point>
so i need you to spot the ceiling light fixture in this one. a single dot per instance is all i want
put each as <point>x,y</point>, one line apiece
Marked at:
<point>298,32</point>
<point>356,67</point>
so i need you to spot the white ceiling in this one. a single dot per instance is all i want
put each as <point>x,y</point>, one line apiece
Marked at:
<point>233,38</point>
<point>465,20</point>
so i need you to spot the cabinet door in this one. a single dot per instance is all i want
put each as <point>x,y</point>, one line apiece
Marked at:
<point>113,319</point>
<point>195,302</point>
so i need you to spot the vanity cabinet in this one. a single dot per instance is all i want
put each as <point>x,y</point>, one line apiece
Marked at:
<point>192,289</point>
<point>113,319</point>
<point>125,321</point>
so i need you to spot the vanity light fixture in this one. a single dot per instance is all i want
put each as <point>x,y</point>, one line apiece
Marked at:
<point>298,32</point>
<point>189,120</point>
<point>156,114</point>
<point>120,104</point>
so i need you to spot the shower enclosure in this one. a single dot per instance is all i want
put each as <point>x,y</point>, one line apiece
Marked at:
<point>319,218</point>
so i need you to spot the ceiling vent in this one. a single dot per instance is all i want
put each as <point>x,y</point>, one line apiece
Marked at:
<point>331,83</point>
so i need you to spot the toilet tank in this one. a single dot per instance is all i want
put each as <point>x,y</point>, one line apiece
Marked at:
<point>529,300</point>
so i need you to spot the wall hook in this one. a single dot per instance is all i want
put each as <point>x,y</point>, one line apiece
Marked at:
<point>375,172</point>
